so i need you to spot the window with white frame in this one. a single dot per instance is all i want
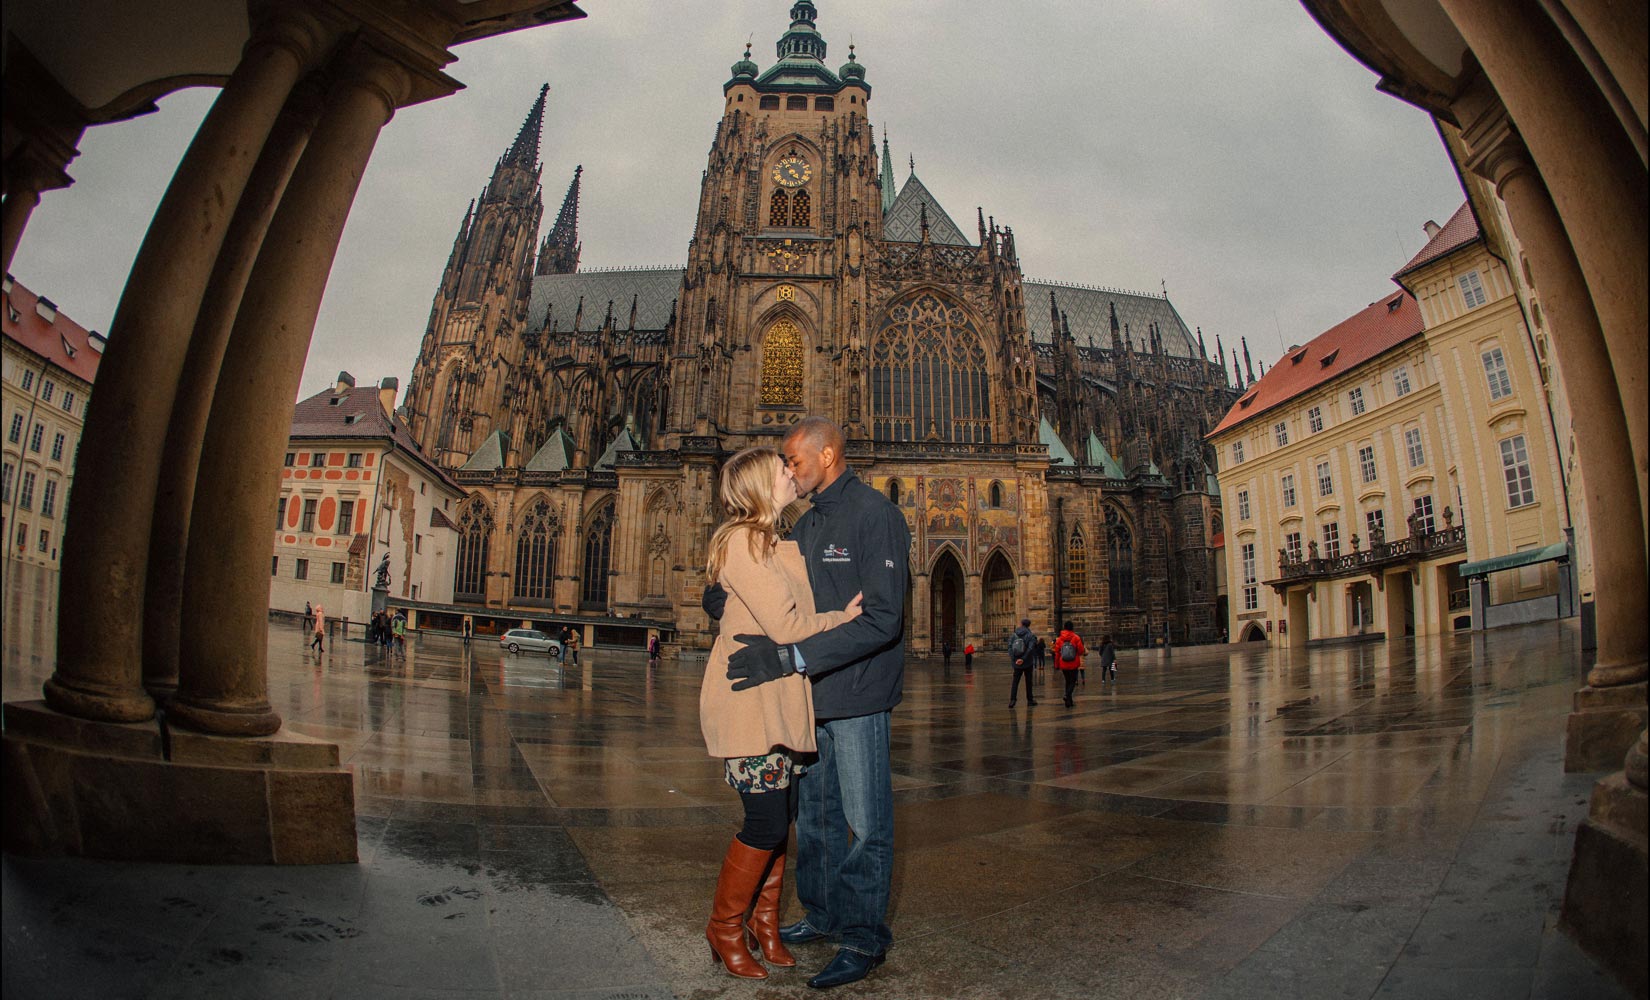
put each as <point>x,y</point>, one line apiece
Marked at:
<point>36,436</point>
<point>1243,505</point>
<point>306,523</point>
<point>48,499</point>
<point>1292,546</point>
<point>68,402</point>
<point>1472,289</point>
<point>1423,514</point>
<point>1515,465</point>
<point>16,433</point>
<point>1288,489</point>
<point>25,496</point>
<point>1356,399</point>
<point>1495,373</point>
<point>1413,447</point>
<point>28,380</point>
<point>1400,381</point>
<point>5,483</point>
<point>1314,419</point>
<point>47,390</point>
<point>346,517</point>
<point>1251,593</point>
<point>300,570</point>
<point>1366,463</point>
<point>1332,540</point>
<point>1326,482</point>
<point>57,447</point>
<point>1237,452</point>
<point>1374,520</point>
<point>45,539</point>
<point>1281,432</point>
<point>337,572</point>
<point>317,459</point>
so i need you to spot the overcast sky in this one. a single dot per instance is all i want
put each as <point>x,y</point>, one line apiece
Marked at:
<point>1232,151</point>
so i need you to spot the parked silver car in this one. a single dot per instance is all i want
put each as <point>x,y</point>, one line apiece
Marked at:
<point>518,639</point>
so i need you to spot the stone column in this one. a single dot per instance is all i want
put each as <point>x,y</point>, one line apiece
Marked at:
<point>14,218</point>
<point>223,684</point>
<point>1611,709</point>
<point>106,538</point>
<point>169,538</point>
<point>1598,187</point>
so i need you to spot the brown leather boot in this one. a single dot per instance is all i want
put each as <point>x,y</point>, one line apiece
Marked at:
<point>764,922</point>
<point>742,871</point>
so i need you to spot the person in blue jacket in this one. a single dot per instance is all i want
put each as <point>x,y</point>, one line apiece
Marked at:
<point>854,540</point>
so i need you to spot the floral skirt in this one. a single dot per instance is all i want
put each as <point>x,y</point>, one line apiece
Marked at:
<point>767,772</point>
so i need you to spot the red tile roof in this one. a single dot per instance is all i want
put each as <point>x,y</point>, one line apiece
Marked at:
<point>60,340</point>
<point>1461,229</point>
<point>1379,328</point>
<point>357,413</point>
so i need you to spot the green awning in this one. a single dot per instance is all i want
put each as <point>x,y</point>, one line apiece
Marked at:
<point>1529,557</point>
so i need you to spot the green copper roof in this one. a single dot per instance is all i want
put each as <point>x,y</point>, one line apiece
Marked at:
<point>1057,451</point>
<point>1099,456</point>
<point>623,441</point>
<point>745,67</point>
<point>556,455</point>
<point>490,455</point>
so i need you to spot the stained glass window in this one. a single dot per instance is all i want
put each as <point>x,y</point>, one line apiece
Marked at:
<point>779,211</point>
<point>800,206</point>
<point>475,537</point>
<point>536,554</point>
<point>1120,546</point>
<point>929,374</point>
<point>598,547</point>
<point>1077,564</point>
<point>782,365</point>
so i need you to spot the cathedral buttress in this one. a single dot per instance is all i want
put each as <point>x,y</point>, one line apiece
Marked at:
<point>468,378</point>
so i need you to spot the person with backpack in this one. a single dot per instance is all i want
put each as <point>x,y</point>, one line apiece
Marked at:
<point>1021,646</point>
<point>1108,658</point>
<point>1068,656</point>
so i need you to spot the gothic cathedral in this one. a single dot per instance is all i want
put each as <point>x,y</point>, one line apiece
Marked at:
<point>1044,440</point>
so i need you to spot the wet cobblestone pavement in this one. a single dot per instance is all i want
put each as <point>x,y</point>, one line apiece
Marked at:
<point>1382,820</point>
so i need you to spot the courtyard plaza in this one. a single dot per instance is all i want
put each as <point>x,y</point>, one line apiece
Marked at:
<point>1385,819</point>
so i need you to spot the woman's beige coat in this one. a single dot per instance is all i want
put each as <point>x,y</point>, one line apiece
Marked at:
<point>769,597</point>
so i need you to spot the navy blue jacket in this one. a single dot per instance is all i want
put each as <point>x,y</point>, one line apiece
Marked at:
<point>854,539</point>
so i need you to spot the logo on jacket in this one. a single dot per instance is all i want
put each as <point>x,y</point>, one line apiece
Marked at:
<point>835,554</point>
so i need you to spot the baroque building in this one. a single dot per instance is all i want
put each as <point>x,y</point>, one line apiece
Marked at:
<point>1046,441</point>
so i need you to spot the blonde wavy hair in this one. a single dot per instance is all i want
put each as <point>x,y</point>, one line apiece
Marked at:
<point>747,495</point>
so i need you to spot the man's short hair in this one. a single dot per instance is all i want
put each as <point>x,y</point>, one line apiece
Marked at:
<point>1026,622</point>
<point>821,432</point>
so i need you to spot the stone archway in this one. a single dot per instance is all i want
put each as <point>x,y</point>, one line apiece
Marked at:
<point>999,612</point>
<point>945,602</point>
<point>1254,633</point>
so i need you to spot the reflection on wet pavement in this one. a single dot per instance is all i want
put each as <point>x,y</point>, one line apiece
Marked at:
<point>1383,819</point>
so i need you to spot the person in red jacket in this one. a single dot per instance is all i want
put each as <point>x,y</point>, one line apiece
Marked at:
<point>1068,656</point>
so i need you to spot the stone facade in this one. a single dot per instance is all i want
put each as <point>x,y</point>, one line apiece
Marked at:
<point>1045,440</point>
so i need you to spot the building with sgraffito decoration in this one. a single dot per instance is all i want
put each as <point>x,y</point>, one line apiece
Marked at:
<point>1045,440</point>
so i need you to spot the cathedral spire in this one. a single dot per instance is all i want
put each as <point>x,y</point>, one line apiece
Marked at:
<point>1248,367</point>
<point>524,152</point>
<point>887,173</point>
<point>559,254</point>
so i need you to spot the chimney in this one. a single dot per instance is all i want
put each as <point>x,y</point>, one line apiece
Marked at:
<point>1432,229</point>
<point>345,381</point>
<point>386,395</point>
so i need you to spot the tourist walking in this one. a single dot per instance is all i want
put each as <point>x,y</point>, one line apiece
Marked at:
<point>399,626</point>
<point>652,650</point>
<point>317,642</point>
<point>1021,647</point>
<point>758,729</point>
<point>945,653</point>
<point>309,616</point>
<point>968,656</point>
<point>1068,656</point>
<point>573,645</point>
<point>854,540</point>
<point>1108,658</point>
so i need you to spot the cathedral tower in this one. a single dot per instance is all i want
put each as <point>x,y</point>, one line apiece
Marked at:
<point>463,381</point>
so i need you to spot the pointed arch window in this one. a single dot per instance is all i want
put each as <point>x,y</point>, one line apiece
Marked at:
<point>598,549</point>
<point>929,377</point>
<point>475,538</point>
<point>536,554</point>
<point>801,210</point>
<point>782,365</point>
<point>893,491</point>
<point>1077,563</point>
<point>779,210</point>
<point>1120,549</point>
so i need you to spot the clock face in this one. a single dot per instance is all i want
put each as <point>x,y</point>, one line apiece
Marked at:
<point>792,171</point>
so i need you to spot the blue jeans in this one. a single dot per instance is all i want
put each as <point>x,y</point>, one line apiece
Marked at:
<point>845,834</point>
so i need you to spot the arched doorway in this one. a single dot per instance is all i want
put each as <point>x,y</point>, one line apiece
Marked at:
<point>1254,633</point>
<point>946,601</point>
<point>998,586</point>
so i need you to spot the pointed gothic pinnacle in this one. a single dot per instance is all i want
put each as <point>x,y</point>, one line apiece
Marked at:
<point>525,151</point>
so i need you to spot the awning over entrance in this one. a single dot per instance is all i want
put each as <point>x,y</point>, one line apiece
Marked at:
<point>1529,557</point>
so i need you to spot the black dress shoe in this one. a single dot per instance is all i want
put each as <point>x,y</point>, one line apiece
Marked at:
<point>847,967</point>
<point>800,932</point>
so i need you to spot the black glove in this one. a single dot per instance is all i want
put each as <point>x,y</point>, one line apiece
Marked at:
<point>759,661</point>
<point>714,600</point>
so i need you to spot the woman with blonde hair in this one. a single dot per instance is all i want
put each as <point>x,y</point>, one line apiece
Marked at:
<point>758,730</point>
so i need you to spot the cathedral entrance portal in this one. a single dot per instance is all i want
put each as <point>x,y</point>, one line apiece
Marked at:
<point>946,602</point>
<point>1000,613</point>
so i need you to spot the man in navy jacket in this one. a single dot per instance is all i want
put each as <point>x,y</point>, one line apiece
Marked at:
<point>854,541</point>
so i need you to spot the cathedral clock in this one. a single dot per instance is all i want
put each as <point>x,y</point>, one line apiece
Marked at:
<point>792,171</point>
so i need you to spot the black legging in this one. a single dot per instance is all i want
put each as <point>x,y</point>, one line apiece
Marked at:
<point>1071,682</point>
<point>768,817</point>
